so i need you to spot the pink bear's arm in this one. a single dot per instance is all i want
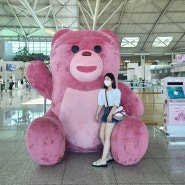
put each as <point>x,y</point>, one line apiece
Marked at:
<point>40,78</point>
<point>130,100</point>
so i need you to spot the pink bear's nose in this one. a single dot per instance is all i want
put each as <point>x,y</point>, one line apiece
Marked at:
<point>86,53</point>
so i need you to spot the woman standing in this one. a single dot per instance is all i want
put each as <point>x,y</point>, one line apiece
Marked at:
<point>109,98</point>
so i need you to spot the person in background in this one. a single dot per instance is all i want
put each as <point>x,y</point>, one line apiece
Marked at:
<point>24,82</point>
<point>142,83</point>
<point>1,83</point>
<point>11,83</point>
<point>131,84</point>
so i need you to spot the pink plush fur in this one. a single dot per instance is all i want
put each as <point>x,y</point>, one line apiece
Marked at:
<point>130,100</point>
<point>129,141</point>
<point>72,83</point>
<point>40,78</point>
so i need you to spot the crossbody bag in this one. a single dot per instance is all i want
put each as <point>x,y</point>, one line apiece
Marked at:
<point>119,114</point>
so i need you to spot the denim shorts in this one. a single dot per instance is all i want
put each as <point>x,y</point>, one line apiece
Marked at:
<point>105,115</point>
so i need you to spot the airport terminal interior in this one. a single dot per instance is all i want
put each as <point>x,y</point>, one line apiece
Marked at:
<point>152,63</point>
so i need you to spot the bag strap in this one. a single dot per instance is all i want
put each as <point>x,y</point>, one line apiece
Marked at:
<point>106,98</point>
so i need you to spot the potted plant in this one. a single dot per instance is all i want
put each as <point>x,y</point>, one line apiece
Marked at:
<point>24,56</point>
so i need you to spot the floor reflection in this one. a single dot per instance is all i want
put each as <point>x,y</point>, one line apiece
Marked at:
<point>19,107</point>
<point>163,163</point>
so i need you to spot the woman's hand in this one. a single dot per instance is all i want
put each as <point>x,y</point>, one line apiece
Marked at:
<point>97,113</point>
<point>97,118</point>
<point>109,118</point>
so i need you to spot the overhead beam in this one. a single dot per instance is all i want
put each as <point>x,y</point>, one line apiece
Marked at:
<point>47,15</point>
<point>121,16</point>
<point>54,17</point>
<point>22,12</point>
<point>113,27</point>
<point>156,23</point>
<point>178,24</point>
<point>84,16</point>
<point>107,5</point>
<point>42,9</point>
<point>33,32</point>
<point>90,15</point>
<point>111,15</point>
<point>90,7</point>
<point>180,39</point>
<point>6,25</point>
<point>137,5</point>
<point>23,32</point>
<point>65,5</point>
<point>35,4</point>
<point>169,17</point>
<point>27,6</point>
<point>59,9</point>
<point>11,18</point>
<point>97,7</point>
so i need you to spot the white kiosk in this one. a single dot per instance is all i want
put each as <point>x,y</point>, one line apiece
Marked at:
<point>173,91</point>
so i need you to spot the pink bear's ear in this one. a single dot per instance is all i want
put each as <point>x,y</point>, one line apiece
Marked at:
<point>113,35</point>
<point>58,34</point>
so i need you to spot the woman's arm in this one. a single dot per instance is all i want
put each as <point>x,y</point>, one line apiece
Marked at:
<point>98,111</point>
<point>109,118</point>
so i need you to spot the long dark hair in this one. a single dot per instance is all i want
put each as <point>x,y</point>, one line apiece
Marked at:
<point>111,76</point>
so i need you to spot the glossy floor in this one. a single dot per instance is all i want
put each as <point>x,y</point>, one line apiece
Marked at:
<point>163,163</point>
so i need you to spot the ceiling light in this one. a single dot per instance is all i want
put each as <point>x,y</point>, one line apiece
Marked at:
<point>51,32</point>
<point>129,41</point>
<point>162,41</point>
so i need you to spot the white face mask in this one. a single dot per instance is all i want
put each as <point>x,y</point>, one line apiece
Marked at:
<point>107,83</point>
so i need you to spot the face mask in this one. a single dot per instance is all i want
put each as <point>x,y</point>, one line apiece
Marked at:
<point>107,83</point>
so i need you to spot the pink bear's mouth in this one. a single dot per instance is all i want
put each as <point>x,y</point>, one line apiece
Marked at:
<point>86,69</point>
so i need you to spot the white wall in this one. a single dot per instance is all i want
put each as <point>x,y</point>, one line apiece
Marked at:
<point>132,65</point>
<point>130,74</point>
<point>143,72</point>
<point>148,75</point>
<point>139,72</point>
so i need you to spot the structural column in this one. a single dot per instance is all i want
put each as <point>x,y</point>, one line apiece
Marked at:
<point>143,65</point>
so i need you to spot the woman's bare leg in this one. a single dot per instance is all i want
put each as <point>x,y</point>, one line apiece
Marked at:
<point>102,132</point>
<point>105,135</point>
<point>106,149</point>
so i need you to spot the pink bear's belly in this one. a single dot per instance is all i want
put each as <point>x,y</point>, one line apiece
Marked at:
<point>77,114</point>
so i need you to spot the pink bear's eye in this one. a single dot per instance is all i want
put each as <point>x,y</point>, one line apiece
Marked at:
<point>97,49</point>
<point>75,49</point>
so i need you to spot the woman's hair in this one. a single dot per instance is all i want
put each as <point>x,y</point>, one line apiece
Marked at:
<point>111,76</point>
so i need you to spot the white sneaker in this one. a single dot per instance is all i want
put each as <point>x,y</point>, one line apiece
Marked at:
<point>100,163</point>
<point>110,158</point>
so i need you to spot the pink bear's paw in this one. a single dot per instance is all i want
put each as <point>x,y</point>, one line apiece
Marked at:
<point>45,140</point>
<point>129,141</point>
<point>40,78</point>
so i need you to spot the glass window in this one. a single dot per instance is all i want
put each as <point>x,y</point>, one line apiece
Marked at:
<point>16,46</point>
<point>33,47</point>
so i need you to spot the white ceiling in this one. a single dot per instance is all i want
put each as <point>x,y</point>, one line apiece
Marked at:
<point>35,20</point>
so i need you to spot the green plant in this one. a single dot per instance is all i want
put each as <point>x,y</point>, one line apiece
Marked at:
<point>22,55</point>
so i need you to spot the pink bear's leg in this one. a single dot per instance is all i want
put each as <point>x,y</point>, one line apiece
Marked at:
<point>129,141</point>
<point>45,139</point>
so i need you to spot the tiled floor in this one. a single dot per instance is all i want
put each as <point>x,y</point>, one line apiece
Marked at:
<point>162,164</point>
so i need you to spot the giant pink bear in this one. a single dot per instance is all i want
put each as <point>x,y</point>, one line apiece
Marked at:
<point>79,61</point>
